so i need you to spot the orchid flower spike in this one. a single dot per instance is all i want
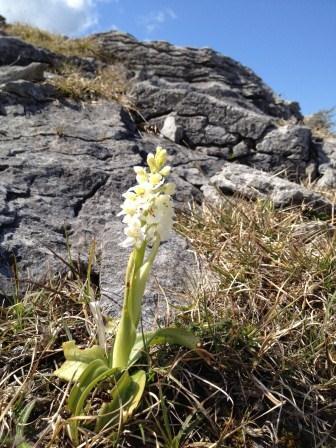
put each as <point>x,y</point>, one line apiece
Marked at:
<point>148,208</point>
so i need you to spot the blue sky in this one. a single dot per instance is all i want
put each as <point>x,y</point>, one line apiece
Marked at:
<point>291,44</point>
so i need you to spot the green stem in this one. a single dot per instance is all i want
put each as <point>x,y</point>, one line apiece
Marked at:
<point>140,281</point>
<point>135,282</point>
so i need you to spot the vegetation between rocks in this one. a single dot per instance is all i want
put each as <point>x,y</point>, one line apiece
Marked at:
<point>322,123</point>
<point>109,81</point>
<point>81,47</point>
<point>264,375</point>
<point>263,309</point>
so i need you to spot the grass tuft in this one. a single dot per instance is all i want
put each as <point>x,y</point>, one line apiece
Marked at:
<point>71,80</point>
<point>266,309</point>
<point>264,375</point>
<point>108,83</point>
<point>322,123</point>
<point>81,47</point>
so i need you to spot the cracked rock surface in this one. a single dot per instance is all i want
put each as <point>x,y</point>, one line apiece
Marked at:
<point>65,165</point>
<point>253,184</point>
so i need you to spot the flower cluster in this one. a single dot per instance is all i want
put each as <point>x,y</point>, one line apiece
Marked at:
<point>147,208</point>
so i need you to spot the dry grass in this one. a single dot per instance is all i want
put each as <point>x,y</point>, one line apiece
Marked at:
<point>264,376</point>
<point>108,83</point>
<point>270,305</point>
<point>322,123</point>
<point>72,81</point>
<point>82,47</point>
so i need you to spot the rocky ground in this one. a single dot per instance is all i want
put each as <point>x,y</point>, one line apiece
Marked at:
<point>65,164</point>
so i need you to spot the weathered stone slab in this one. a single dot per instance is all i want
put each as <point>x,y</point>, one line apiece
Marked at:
<point>32,72</point>
<point>248,182</point>
<point>15,51</point>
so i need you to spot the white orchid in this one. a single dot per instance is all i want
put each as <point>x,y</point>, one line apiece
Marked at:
<point>148,214</point>
<point>147,208</point>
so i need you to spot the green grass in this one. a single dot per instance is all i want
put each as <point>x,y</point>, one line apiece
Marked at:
<point>264,309</point>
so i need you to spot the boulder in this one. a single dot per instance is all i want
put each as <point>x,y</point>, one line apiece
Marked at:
<point>251,183</point>
<point>217,102</point>
<point>64,165</point>
<point>32,72</point>
<point>27,89</point>
<point>326,155</point>
<point>174,69</point>
<point>63,171</point>
<point>287,148</point>
<point>15,51</point>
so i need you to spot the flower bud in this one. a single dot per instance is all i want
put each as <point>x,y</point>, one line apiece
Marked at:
<point>160,157</point>
<point>165,171</point>
<point>151,162</point>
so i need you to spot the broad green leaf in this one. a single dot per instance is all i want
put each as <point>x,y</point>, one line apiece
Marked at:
<point>139,378</point>
<point>77,360</point>
<point>173,336</point>
<point>94,370</point>
<point>94,373</point>
<point>126,396</point>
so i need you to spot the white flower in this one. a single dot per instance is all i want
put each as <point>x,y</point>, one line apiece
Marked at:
<point>134,232</point>
<point>147,209</point>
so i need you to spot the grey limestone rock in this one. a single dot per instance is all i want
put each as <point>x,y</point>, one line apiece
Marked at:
<point>326,154</point>
<point>251,183</point>
<point>65,165</point>
<point>28,89</point>
<point>203,69</point>
<point>173,274</point>
<point>15,51</point>
<point>328,179</point>
<point>241,150</point>
<point>32,72</point>
<point>218,102</point>
<point>171,130</point>
<point>63,171</point>
<point>289,149</point>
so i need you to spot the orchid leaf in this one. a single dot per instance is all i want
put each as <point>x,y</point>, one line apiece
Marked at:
<point>96,372</point>
<point>77,360</point>
<point>124,340</point>
<point>126,396</point>
<point>19,441</point>
<point>172,336</point>
<point>139,379</point>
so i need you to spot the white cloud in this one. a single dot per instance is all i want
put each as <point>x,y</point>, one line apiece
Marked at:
<point>62,16</point>
<point>154,20</point>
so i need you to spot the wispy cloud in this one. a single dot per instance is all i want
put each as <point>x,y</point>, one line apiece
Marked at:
<point>62,16</point>
<point>155,19</point>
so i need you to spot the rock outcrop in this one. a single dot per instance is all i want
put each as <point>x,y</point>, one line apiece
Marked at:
<point>64,165</point>
<point>251,183</point>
